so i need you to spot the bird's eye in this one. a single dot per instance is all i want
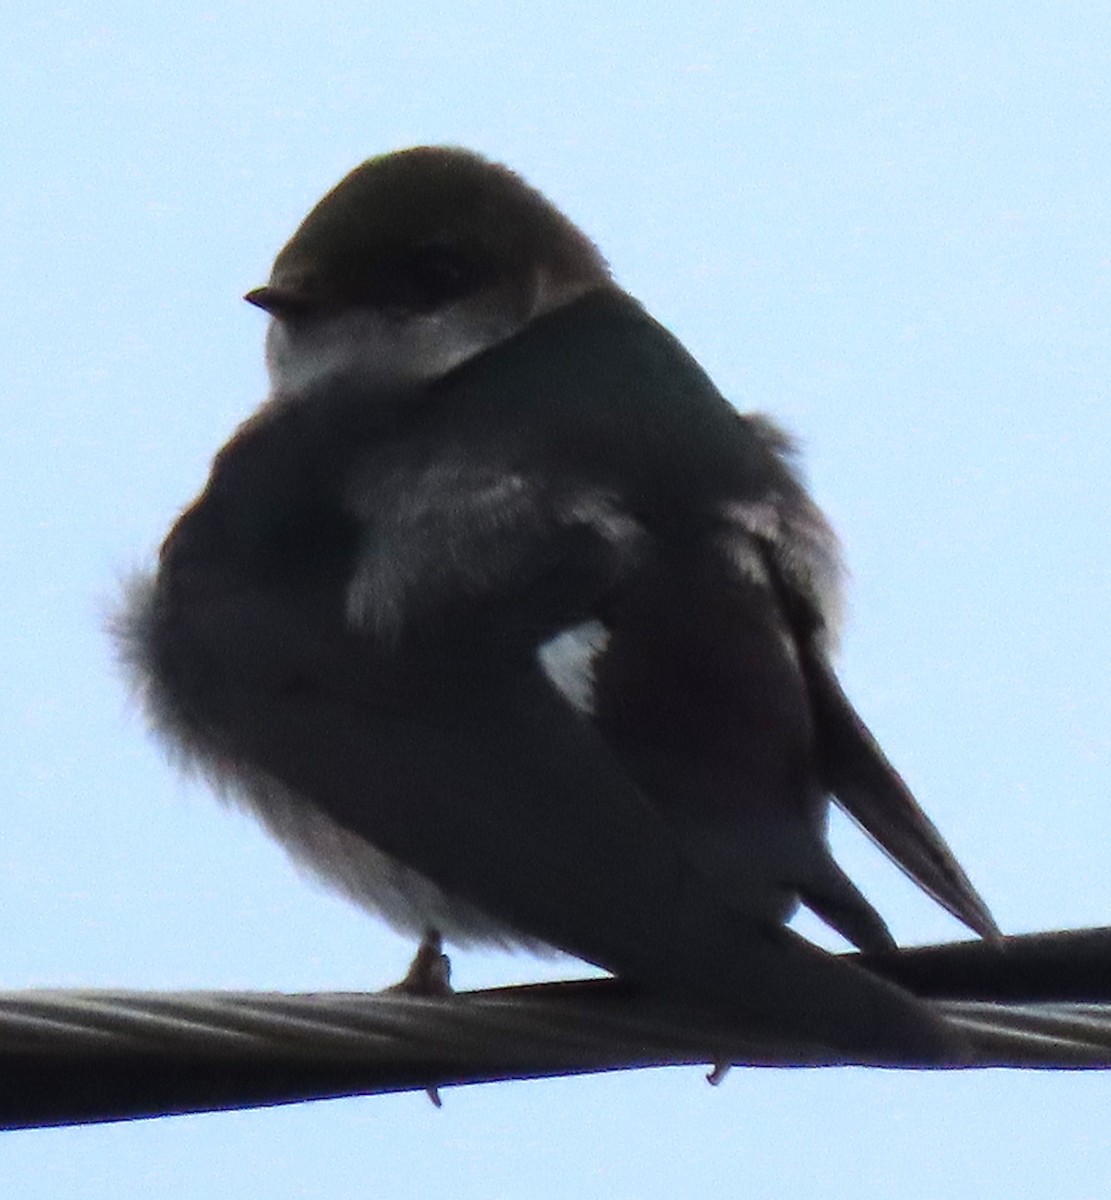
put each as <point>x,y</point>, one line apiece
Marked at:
<point>432,275</point>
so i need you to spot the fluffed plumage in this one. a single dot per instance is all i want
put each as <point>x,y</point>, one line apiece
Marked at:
<point>504,621</point>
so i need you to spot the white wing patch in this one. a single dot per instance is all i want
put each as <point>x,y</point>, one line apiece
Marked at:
<point>568,661</point>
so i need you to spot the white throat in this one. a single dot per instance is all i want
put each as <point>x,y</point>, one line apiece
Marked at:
<point>373,350</point>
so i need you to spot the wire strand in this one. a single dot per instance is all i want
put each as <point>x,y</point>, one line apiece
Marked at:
<point>74,1056</point>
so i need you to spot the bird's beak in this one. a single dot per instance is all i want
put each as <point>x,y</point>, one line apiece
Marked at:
<point>277,301</point>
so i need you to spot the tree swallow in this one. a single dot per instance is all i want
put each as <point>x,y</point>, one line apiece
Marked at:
<point>509,626</point>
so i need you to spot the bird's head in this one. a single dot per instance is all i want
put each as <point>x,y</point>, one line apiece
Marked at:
<point>413,263</point>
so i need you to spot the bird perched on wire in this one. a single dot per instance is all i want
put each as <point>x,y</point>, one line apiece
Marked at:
<point>507,624</point>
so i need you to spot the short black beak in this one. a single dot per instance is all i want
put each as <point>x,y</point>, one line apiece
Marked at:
<point>278,302</point>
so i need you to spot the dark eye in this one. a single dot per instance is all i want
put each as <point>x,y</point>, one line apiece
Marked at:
<point>433,275</point>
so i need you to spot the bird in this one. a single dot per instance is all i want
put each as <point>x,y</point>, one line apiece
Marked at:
<point>513,629</point>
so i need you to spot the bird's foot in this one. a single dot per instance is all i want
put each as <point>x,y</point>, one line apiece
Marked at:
<point>429,974</point>
<point>430,971</point>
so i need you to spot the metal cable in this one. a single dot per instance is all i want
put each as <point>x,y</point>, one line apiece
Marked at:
<point>83,1056</point>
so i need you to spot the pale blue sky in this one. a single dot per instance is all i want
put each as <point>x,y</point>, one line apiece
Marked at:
<point>890,227</point>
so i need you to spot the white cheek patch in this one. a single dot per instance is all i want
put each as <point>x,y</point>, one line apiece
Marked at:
<point>568,660</point>
<point>373,350</point>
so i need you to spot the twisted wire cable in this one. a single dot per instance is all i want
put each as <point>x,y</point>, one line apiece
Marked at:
<point>74,1056</point>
